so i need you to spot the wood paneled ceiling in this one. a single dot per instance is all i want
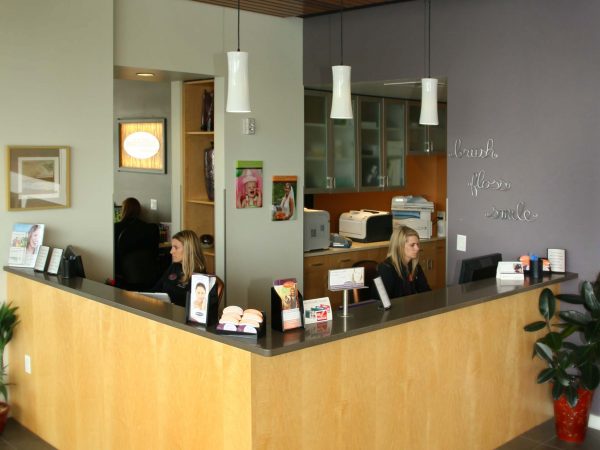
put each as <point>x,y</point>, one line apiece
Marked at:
<point>298,8</point>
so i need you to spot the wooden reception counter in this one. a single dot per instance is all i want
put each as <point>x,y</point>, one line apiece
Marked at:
<point>446,369</point>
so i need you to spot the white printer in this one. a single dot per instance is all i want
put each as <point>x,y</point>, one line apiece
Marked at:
<point>414,212</point>
<point>316,229</point>
<point>366,225</point>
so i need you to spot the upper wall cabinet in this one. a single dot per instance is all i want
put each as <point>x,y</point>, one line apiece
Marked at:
<point>426,139</point>
<point>366,154</point>
<point>329,147</point>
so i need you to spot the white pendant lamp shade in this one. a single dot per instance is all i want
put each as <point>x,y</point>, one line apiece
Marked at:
<point>341,103</point>
<point>238,99</point>
<point>429,113</point>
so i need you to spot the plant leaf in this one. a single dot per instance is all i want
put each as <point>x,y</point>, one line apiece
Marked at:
<point>547,304</point>
<point>591,332</point>
<point>571,298</point>
<point>545,375</point>
<point>574,317</point>
<point>590,376</point>
<point>589,297</point>
<point>543,351</point>
<point>557,390</point>
<point>535,326</point>
<point>553,340</point>
<point>572,397</point>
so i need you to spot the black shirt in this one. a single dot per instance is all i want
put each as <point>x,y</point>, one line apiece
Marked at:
<point>171,283</point>
<point>408,284</point>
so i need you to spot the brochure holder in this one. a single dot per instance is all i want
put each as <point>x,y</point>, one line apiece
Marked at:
<point>277,311</point>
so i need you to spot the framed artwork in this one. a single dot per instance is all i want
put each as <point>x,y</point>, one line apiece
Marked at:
<point>141,145</point>
<point>248,184</point>
<point>37,177</point>
<point>284,198</point>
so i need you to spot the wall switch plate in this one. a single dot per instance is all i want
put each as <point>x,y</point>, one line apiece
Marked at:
<point>28,364</point>
<point>153,204</point>
<point>249,126</point>
<point>461,243</point>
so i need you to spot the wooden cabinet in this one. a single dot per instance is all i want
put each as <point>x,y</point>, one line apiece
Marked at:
<point>198,208</point>
<point>423,138</point>
<point>432,259</point>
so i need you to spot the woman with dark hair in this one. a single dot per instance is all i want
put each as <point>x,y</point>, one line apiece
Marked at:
<point>401,272</point>
<point>130,212</point>
<point>187,259</point>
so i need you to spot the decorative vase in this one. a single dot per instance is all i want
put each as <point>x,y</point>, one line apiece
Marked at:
<point>209,171</point>
<point>207,121</point>
<point>571,423</point>
<point>4,409</point>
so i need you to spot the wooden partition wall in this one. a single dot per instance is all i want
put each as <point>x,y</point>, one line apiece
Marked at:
<point>103,378</point>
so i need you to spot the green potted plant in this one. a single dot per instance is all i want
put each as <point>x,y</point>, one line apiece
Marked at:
<point>573,368</point>
<point>8,322</point>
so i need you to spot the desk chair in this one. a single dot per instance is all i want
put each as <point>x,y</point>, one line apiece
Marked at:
<point>359,295</point>
<point>136,256</point>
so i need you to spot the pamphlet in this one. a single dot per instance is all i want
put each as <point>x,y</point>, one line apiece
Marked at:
<point>290,305</point>
<point>317,310</point>
<point>25,243</point>
<point>510,270</point>
<point>42,258</point>
<point>556,256</point>
<point>352,278</point>
<point>55,259</point>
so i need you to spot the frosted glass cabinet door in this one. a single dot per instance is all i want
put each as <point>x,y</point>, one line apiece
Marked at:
<point>316,139</point>
<point>344,152</point>
<point>426,139</point>
<point>394,142</point>
<point>369,128</point>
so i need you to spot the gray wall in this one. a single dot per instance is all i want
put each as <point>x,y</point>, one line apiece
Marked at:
<point>144,99</point>
<point>523,73</point>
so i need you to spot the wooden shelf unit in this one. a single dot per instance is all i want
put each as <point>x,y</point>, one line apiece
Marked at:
<point>198,209</point>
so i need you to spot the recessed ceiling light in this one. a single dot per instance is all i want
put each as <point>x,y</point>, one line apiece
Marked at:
<point>145,74</point>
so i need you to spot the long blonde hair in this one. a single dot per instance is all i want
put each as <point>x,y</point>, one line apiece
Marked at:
<point>396,249</point>
<point>193,258</point>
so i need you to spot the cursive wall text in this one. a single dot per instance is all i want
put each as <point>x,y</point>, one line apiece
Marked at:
<point>480,182</point>
<point>482,152</point>
<point>520,213</point>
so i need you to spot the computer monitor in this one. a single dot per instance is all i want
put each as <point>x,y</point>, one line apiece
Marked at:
<point>74,262</point>
<point>479,268</point>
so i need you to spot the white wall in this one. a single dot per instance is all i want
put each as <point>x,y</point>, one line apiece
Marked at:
<point>56,85</point>
<point>185,36</point>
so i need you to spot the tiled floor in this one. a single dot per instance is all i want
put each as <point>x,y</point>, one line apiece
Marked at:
<point>542,437</point>
<point>16,437</point>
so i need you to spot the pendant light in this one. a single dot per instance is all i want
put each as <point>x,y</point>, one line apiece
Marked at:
<point>341,103</point>
<point>238,99</point>
<point>429,113</point>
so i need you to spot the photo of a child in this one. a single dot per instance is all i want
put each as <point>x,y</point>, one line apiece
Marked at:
<point>248,188</point>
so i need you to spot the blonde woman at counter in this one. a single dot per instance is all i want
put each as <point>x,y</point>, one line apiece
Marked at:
<point>187,258</point>
<point>401,272</point>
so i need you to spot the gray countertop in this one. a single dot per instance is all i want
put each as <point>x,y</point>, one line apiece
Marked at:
<point>364,318</point>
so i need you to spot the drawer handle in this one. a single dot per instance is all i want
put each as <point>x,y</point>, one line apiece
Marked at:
<point>316,264</point>
<point>429,264</point>
<point>345,260</point>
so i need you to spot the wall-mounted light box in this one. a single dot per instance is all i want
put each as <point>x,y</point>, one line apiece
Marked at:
<point>142,145</point>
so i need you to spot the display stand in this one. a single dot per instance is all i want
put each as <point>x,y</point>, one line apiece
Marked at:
<point>344,312</point>
<point>212,307</point>
<point>277,311</point>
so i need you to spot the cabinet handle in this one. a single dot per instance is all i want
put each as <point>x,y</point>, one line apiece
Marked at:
<point>381,181</point>
<point>333,178</point>
<point>430,264</point>
<point>316,264</point>
<point>345,260</point>
<point>329,182</point>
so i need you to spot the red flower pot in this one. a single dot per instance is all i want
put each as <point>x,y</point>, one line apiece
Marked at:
<point>571,423</point>
<point>4,408</point>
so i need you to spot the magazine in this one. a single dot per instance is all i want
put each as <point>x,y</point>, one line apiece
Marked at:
<point>25,243</point>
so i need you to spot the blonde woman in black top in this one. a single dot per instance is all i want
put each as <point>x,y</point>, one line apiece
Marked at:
<point>187,259</point>
<point>401,272</point>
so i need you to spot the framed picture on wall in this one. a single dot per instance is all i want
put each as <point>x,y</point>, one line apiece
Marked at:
<point>141,145</point>
<point>37,177</point>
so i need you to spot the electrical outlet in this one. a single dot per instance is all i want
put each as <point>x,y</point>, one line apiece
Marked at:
<point>28,364</point>
<point>461,243</point>
<point>153,204</point>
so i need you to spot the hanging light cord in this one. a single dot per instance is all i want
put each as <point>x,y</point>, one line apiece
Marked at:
<point>427,37</point>
<point>342,32</point>
<point>238,26</point>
